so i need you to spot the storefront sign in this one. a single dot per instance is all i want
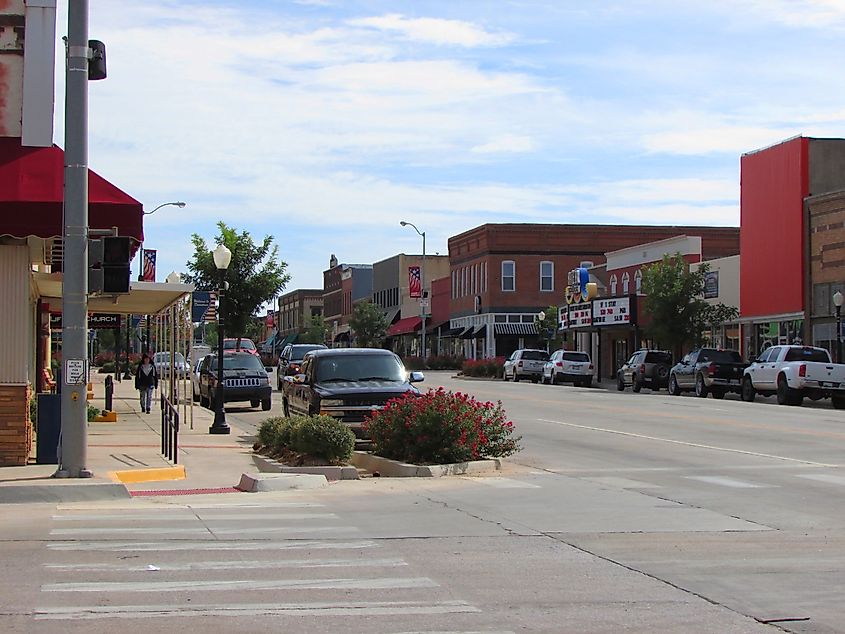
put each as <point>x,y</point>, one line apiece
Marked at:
<point>580,315</point>
<point>609,312</point>
<point>55,321</point>
<point>103,320</point>
<point>563,318</point>
<point>711,285</point>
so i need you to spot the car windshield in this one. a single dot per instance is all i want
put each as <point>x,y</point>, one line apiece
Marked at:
<point>164,357</point>
<point>297,353</point>
<point>238,362</point>
<point>807,354</point>
<point>231,344</point>
<point>580,357</point>
<point>535,355</point>
<point>359,367</point>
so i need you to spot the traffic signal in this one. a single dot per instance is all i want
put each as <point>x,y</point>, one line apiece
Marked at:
<point>97,63</point>
<point>116,255</point>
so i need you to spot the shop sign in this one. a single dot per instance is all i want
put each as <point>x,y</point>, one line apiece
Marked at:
<point>563,318</point>
<point>55,321</point>
<point>104,320</point>
<point>610,312</point>
<point>580,315</point>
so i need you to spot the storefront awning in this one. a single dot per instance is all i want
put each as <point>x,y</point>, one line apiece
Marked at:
<point>144,298</point>
<point>515,329</point>
<point>451,332</point>
<point>391,315</point>
<point>404,326</point>
<point>32,196</point>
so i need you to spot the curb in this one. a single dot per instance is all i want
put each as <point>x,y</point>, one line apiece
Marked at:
<point>132,476</point>
<point>268,465</point>
<point>60,492</point>
<point>395,469</point>
<point>260,483</point>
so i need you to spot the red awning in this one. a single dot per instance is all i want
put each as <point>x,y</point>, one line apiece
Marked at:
<point>32,195</point>
<point>404,326</point>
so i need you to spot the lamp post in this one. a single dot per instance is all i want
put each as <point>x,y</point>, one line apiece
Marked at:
<point>177,203</point>
<point>837,302</point>
<point>422,287</point>
<point>222,256</point>
<point>541,317</point>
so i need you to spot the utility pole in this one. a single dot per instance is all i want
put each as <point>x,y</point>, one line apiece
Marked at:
<point>73,456</point>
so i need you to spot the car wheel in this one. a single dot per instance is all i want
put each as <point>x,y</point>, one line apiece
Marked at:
<point>786,395</point>
<point>748,392</point>
<point>515,376</point>
<point>266,404</point>
<point>660,372</point>
<point>701,390</point>
<point>535,379</point>
<point>588,382</point>
<point>636,386</point>
<point>620,383</point>
<point>546,380</point>
<point>674,388</point>
<point>838,402</point>
<point>505,375</point>
<point>254,402</point>
<point>718,394</point>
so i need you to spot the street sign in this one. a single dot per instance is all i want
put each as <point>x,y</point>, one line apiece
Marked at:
<point>425,302</point>
<point>76,372</point>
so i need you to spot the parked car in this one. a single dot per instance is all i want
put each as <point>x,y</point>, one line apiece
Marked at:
<point>526,363</point>
<point>290,360</point>
<point>240,345</point>
<point>347,383</point>
<point>793,372</point>
<point>164,367</point>
<point>568,367</point>
<point>708,371</point>
<point>195,380</point>
<point>645,368</point>
<point>244,379</point>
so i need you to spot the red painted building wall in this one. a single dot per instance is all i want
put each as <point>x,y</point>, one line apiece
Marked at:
<point>441,291</point>
<point>774,183</point>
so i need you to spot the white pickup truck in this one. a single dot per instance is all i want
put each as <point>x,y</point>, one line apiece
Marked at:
<point>793,372</point>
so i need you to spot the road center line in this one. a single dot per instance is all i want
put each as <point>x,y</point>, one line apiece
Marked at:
<point>686,444</point>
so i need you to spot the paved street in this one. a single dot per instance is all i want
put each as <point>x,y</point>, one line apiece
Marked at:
<point>625,512</point>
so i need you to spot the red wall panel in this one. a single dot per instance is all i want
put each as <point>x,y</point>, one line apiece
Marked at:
<point>774,183</point>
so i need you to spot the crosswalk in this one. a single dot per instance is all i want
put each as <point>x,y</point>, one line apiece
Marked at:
<point>288,562</point>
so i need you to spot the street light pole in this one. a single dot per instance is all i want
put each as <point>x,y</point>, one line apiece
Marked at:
<point>222,256</point>
<point>177,203</point>
<point>422,288</point>
<point>837,302</point>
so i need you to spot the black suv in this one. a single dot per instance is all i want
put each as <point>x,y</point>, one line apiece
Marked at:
<point>290,360</point>
<point>244,379</point>
<point>645,368</point>
<point>347,383</point>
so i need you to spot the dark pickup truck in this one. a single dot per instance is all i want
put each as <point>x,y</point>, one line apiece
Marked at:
<point>347,383</point>
<point>708,371</point>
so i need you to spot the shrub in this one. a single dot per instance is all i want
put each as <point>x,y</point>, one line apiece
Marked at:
<point>93,412</point>
<point>323,437</point>
<point>106,368</point>
<point>441,427</point>
<point>445,362</point>
<point>275,433</point>
<point>484,367</point>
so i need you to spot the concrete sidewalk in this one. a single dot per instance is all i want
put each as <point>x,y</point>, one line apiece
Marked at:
<point>125,456</point>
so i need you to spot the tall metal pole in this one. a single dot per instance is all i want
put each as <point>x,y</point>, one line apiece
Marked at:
<point>839,334</point>
<point>74,436</point>
<point>220,426</point>
<point>422,302</point>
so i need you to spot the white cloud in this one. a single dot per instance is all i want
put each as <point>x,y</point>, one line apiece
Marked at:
<point>435,30</point>
<point>508,143</point>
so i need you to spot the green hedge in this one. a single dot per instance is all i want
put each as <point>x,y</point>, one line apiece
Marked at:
<point>322,437</point>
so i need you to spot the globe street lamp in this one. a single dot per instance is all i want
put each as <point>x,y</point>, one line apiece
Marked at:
<point>222,257</point>
<point>422,287</point>
<point>837,302</point>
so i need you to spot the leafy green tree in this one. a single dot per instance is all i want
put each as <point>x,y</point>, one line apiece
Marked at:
<point>369,325</point>
<point>549,335</point>
<point>317,331</point>
<point>674,303</point>
<point>256,275</point>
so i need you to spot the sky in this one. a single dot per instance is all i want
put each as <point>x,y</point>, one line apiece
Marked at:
<point>324,124</point>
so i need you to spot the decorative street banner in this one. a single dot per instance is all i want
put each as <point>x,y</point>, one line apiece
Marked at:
<point>269,322</point>
<point>203,305</point>
<point>414,282</point>
<point>149,272</point>
<point>711,285</point>
<point>609,312</point>
<point>103,320</point>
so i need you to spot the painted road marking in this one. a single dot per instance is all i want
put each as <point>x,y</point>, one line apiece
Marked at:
<point>389,562</point>
<point>164,530</point>
<point>363,608</point>
<point>730,482</point>
<point>506,483</point>
<point>622,483</point>
<point>823,477</point>
<point>195,518</point>
<point>109,546</point>
<point>686,444</point>
<point>383,583</point>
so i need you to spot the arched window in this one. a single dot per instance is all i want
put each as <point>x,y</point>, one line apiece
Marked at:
<point>626,279</point>
<point>613,285</point>
<point>638,281</point>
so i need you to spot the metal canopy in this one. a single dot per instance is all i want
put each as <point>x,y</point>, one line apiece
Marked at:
<point>144,298</point>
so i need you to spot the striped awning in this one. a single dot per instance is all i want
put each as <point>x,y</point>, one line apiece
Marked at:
<point>515,329</point>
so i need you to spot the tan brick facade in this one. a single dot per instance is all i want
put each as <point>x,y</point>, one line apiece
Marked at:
<point>15,426</point>
<point>825,215</point>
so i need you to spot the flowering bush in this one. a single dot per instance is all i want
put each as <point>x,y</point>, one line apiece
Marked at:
<point>441,427</point>
<point>484,367</point>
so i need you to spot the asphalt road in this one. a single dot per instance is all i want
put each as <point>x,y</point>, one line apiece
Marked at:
<point>624,512</point>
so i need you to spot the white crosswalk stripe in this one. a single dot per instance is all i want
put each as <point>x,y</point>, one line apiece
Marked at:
<point>730,482</point>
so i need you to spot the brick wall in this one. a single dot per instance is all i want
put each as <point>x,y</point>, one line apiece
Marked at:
<point>15,426</point>
<point>826,251</point>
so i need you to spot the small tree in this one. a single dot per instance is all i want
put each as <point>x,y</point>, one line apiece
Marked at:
<point>369,325</point>
<point>547,329</point>
<point>317,331</point>
<point>255,275</point>
<point>674,302</point>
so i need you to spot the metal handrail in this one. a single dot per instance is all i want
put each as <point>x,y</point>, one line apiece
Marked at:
<point>169,430</point>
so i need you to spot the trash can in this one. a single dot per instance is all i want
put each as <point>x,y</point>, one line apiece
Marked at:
<point>49,428</point>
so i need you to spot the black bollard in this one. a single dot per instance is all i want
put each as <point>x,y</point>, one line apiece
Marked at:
<point>109,392</point>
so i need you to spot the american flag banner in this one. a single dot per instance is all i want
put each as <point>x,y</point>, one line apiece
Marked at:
<point>211,313</point>
<point>414,282</point>
<point>149,265</point>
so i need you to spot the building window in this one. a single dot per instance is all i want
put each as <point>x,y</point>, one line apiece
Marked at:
<point>454,285</point>
<point>473,279</point>
<point>508,275</point>
<point>484,277</point>
<point>638,280</point>
<point>547,276</point>
<point>626,279</point>
<point>614,283</point>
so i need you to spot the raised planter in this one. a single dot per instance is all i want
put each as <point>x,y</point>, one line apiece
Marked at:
<point>394,469</point>
<point>268,465</point>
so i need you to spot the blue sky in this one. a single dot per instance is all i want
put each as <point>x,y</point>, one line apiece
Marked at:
<point>326,123</point>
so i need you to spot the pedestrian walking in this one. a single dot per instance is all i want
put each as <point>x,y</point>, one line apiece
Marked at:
<point>146,380</point>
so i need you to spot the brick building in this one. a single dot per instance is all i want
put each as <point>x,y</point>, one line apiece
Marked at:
<point>295,310</point>
<point>503,274</point>
<point>343,286</point>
